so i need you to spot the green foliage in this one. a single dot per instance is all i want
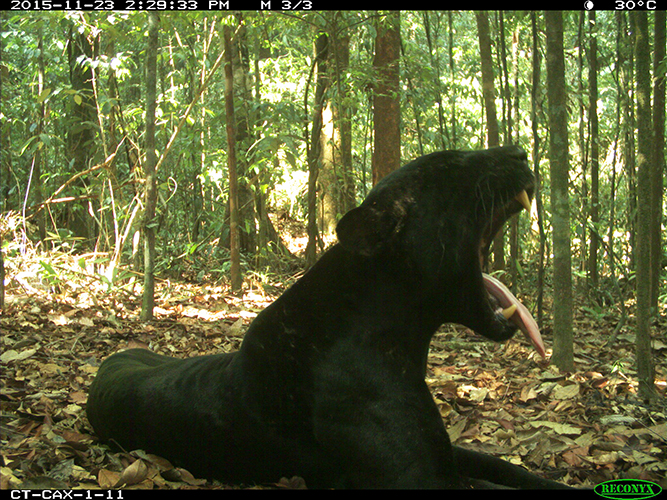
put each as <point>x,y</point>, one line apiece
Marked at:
<point>440,101</point>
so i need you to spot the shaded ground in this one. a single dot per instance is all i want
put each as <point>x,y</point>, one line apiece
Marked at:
<point>581,428</point>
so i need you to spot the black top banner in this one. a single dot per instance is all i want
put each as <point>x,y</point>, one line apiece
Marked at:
<point>162,5</point>
<point>306,5</point>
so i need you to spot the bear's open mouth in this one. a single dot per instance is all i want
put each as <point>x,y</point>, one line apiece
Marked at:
<point>507,304</point>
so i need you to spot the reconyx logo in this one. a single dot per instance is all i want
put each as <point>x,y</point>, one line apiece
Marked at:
<point>627,488</point>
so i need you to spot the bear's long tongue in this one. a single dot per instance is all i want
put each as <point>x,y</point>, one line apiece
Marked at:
<point>521,316</point>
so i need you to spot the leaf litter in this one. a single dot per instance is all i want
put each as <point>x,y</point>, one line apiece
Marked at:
<point>580,428</point>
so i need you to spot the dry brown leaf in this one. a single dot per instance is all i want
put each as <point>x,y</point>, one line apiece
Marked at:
<point>78,396</point>
<point>604,458</point>
<point>565,391</point>
<point>557,427</point>
<point>12,355</point>
<point>58,319</point>
<point>575,456</point>
<point>236,329</point>
<point>188,478</point>
<point>135,473</point>
<point>107,479</point>
<point>52,369</point>
<point>45,408</point>
<point>86,322</point>
<point>162,463</point>
<point>456,430</point>
<point>527,393</point>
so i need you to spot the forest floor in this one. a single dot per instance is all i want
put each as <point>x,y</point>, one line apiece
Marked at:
<point>580,428</point>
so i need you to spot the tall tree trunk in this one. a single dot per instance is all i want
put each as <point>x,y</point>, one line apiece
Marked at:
<point>563,355</point>
<point>452,96</point>
<point>488,86</point>
<point>504,78</point>
<point>443,133</point>
<point>198,149</point>
<point>517,92</point>
<point>645,368</point>
<point>336,180</point>
<point>343,117</point>
<point>244,139</point>
<point>264,228</point>
<point>627,97</point>
<point>595,162</point>
<point>3,144</point>
<point>584,205</point>
<point>493,131</point>
<point>230,119</point>
<point>620,109</point>
<point>513,104</point>
<point>657,244</point>
<point>80,134</point>
<point>386,101</point>
<point>328,181</point>
<point>37,173</point>
<point>535,106</point>
<point>314,149</point>
<point>150,201</point>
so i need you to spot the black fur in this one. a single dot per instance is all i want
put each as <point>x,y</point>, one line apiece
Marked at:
<point>329,381</point>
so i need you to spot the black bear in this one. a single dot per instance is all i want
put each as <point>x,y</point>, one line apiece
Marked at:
<point>329,382</point>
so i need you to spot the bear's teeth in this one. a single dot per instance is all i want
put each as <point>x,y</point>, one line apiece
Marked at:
<point>522,198</point>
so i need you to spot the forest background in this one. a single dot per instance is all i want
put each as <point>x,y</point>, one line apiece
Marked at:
<point>144,151</point>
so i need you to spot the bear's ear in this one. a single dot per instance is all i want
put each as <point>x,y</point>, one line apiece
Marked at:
<point>366,229</point>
